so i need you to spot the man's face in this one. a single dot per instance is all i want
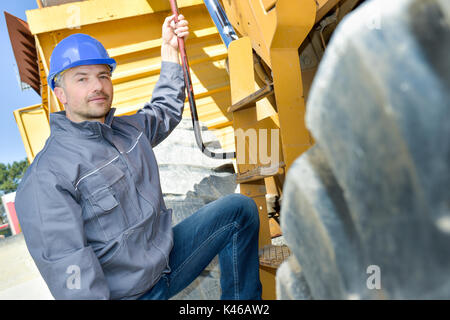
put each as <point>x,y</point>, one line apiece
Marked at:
<point>87,92</point>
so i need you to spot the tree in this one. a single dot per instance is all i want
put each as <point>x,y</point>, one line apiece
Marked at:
<point>10,177</point>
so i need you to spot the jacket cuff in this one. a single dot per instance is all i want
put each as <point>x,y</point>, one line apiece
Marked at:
<point>172,70</point>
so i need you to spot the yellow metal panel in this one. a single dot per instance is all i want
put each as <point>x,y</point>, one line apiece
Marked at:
<point>34,128</point>
<point>258,19</point>
<point>251,19</point>
<point>294,22</point>
<point>242,84</point>
<point>261,117</point>
<point>95,11</point>
<point>268,278</point>
<point>276,36</point>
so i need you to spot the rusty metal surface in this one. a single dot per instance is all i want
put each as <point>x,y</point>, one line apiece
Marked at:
<point>24,48</point>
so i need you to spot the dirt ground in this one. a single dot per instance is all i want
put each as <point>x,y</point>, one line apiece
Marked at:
<point>19,276</point>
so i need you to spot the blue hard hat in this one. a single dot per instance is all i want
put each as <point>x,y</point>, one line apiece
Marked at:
<point>77,50</point>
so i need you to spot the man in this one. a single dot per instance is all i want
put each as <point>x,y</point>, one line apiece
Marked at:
<point>91,207</point>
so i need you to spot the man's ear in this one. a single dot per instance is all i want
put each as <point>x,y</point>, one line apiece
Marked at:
<point>60,94</point>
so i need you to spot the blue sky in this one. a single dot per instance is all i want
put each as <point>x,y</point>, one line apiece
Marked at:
<point>11,96</point>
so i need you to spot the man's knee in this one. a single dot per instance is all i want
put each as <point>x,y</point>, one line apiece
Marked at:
<point>246,208</point>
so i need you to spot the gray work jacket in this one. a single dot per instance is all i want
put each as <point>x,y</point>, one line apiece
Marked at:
<point>90,205</point>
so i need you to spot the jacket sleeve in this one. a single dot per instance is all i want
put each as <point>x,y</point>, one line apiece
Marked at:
<point>52,224</point>
<point>163,113</point>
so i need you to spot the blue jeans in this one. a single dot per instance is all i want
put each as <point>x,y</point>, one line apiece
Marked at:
<point>228,227</point>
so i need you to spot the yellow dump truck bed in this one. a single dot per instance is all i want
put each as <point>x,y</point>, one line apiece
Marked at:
<point>130,30</point>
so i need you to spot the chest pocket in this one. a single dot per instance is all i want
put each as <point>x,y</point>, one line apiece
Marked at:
<point>103,191</point>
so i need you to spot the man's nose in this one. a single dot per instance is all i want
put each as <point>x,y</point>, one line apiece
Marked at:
<point>96,84</point>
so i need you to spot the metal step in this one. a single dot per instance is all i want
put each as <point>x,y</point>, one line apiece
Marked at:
<point>252,98</point>
<point>260,173</point>
<point>272,256</point>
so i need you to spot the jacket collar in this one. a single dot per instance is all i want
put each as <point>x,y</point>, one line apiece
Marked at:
<point>60,122</point>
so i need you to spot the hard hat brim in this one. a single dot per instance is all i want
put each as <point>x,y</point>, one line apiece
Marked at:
<point>108,61</point>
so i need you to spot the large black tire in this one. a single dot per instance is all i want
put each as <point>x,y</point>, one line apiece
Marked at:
<point>366,212</point>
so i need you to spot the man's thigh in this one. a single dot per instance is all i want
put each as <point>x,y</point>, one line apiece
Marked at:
<point>197,240</point>
<point>200,237</point>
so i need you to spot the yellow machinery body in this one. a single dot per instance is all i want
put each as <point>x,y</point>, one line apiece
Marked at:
<point>130,30</point>
<point>280,44</point>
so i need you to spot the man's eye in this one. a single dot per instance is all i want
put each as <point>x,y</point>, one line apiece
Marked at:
<point>81,79</point>
<point>104,77</point>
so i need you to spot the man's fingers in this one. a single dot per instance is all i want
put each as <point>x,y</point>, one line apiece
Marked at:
<point>182,23</point>
<point>183,35</point>
<point>169,20</point>
<point>173,24</point>
<point>181,29</point>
